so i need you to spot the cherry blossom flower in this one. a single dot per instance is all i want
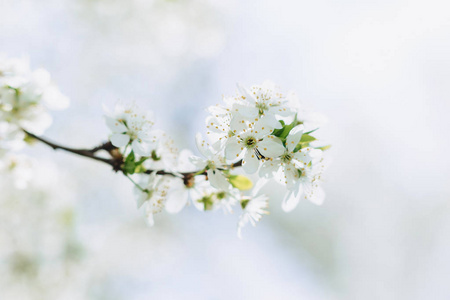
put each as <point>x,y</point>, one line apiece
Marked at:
<point>129,126</point>
<point>253,208</point>
<point>152,193</point>
<point>213,161</point>
<point>252,144</point>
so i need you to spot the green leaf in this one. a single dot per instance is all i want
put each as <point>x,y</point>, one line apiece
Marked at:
<point>141,161</point>
<point>323,148</point>
<point>311,131</point>
<point>278,132</point>
<point>284,132</point>
<point>306,139</point>
<point>240,182</point>
<point>129,164</point>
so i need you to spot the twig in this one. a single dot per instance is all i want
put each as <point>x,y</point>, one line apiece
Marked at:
<point>117,161</point>
<point>81,152</point>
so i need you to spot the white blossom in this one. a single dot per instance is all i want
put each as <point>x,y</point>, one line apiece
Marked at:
<point>264,100</point>
<point>306,186</point>
<point>153,194</point>
<point>212,161</point>
<point>165,156</point>
<point>130,126</point>
<point>252,144</point>
<point>26,96</point>
<point>253,208</point>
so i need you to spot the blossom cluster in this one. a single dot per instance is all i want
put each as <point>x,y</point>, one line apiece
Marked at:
<point>259,128</point>
<point>25,98</point>
<point>267,133</point>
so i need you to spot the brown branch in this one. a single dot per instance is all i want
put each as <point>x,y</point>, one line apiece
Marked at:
<point>81,152</point>
<point>116,161</point>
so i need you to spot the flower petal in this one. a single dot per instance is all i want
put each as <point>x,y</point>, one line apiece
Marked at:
<point>271,146</point>
<point>233,149</point>
<point>294,137</point>
<point>246,111</point>
<point>262,128</point>
<point>203,146</point>
<point>269,168</point>
<point>114,125</point>
<point>246,94</point>
<point>177,200</point>
<point>218,180</point>
<point>250,164</point>
<point>290,202</point>
<point>119,139</point>
<point>141,149</point>
<point>271,121</point>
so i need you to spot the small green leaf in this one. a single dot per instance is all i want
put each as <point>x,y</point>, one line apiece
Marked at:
<point>155,156</point>
<point>306,139</point>
<point>323,148</point>
<point>129,164</point>
<point>278,132</point>
<point>141,161</point>
<point>240,182</point>
<point>284,132</point>
<point>311,131</point>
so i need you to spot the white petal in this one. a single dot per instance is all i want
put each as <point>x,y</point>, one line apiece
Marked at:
<point>202,146</point>
<point>262,128</point>
<point>218,180</point>
<point>271,147</point>
<point>238,124</point>
<point>250,164</point>
<point>280,110</point>
<point>213,124</point>
<point>141,149</point>
<point>114,125</point>
<point>269,168</point>
<point>246,93</point>
<point>184,161</point>
<point>119,139</point>
<point>233,149</point>
<point>258,186</point>
<point>290,202</point>
<point>150,219</point>
<point>177,200</point>
<point>141,199</point>
<point>198,162</point>
<point>294,137</point>
<point>246,111</point>
<point>317,197</point>
<point>302,155</point>
<point>271,121</point>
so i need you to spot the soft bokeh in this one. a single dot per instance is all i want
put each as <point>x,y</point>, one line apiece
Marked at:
<point>379,70</point>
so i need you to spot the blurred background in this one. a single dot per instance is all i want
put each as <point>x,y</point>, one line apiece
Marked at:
<point>380,72</point>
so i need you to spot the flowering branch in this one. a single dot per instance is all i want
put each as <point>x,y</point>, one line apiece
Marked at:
<point>259,129</point>
<point>117,160</point>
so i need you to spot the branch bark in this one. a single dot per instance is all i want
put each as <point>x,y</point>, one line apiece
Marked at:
<point>117,160</point>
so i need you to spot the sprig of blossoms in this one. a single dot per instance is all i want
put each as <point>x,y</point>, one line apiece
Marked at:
<point>267,133</point>
<point>258,129</point>
<point>26,96</point>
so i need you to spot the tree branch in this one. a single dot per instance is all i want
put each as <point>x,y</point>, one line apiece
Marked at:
<point>81,152</point>
<point>117,160</point>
